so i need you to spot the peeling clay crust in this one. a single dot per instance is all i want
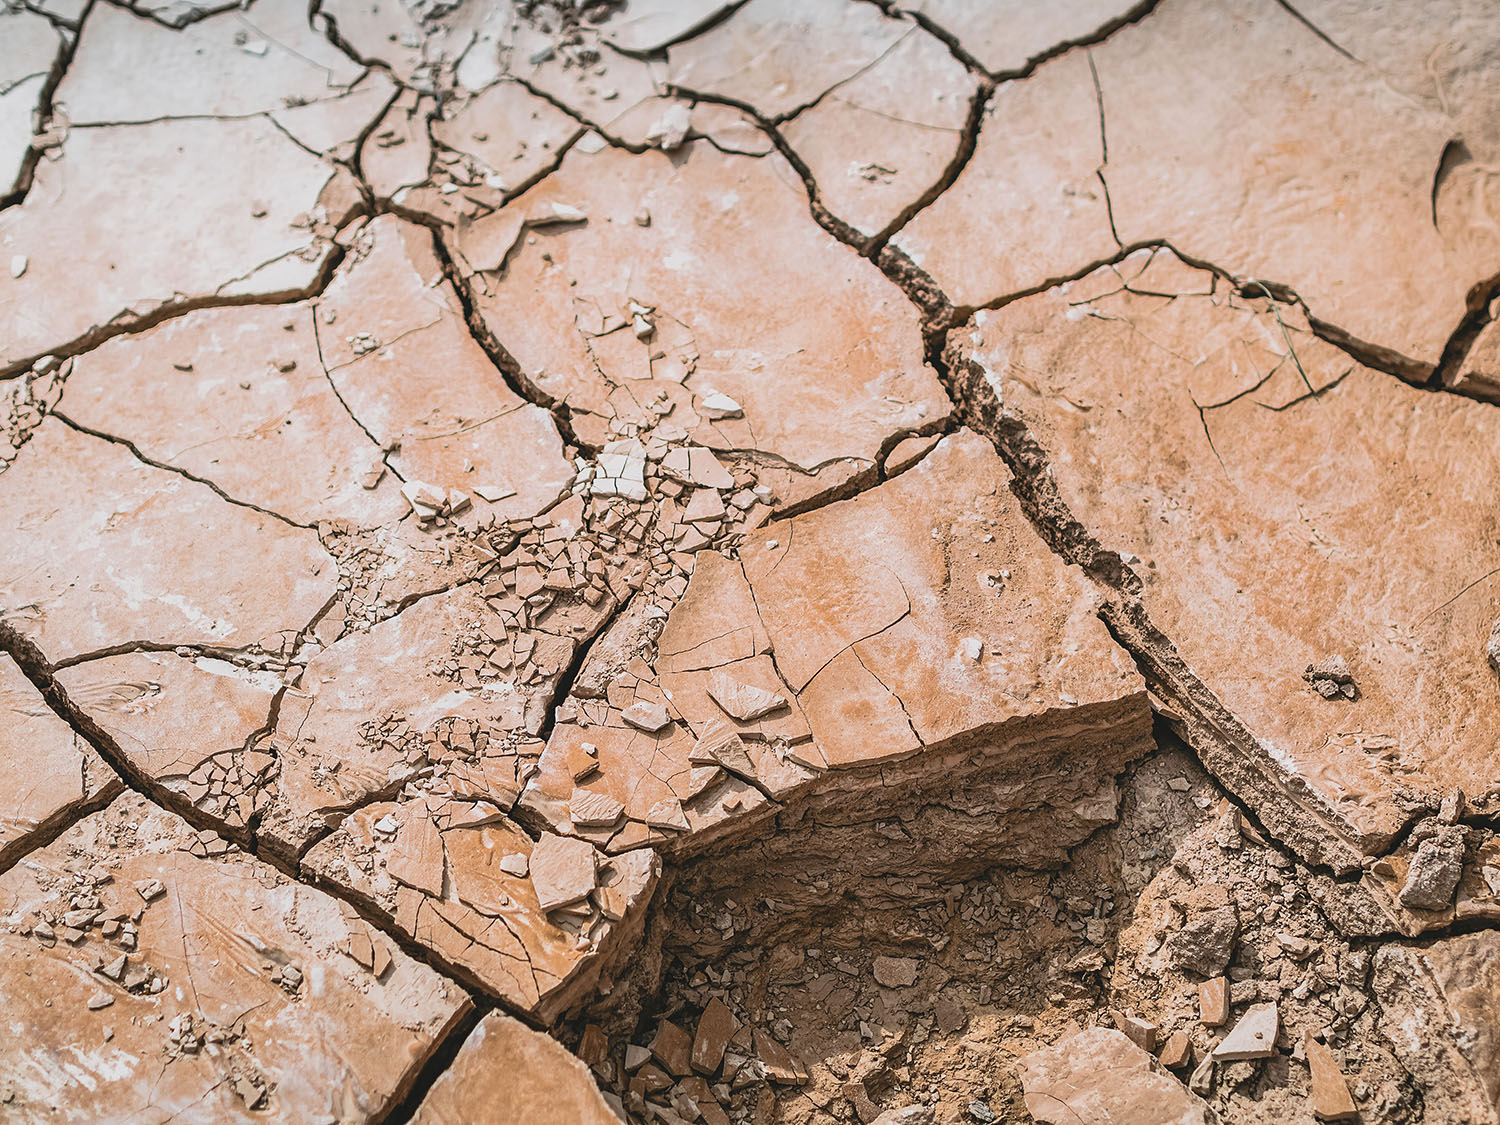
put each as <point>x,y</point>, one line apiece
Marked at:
<point>749,562</point>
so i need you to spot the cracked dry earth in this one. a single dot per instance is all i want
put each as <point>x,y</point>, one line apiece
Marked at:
<point>758,561</point>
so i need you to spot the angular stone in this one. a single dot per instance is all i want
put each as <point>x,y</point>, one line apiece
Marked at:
<point>897,972</point>
<point>667,813</point>
<point>1176,1052</point>
<point>228,927</point>
<point>742,701</point>
<point>47,772</point>
<point>594,810</point>
<point>1205,943</point>
<point>649,717</point>
<point>1213,1002</point>
<point>1435,870</point>
<point>114,552</point>
<point>1330,1093</point>
<point>1323,774</point>
<point>716,1027</point>
<point>1253,1037</point>
<point>507,1074</point>
<point>1140,1032</point>
<point>781,1065</point>
<point>563,871</point>
<point>1099,1076</point>
<point>672,1047</point>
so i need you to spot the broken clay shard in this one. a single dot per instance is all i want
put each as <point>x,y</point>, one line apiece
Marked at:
<point>743,701</point>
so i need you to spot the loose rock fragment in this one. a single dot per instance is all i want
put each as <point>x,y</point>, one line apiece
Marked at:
<point>646,716</point>
<point>897,972</point>
<point>563,870</point>
<point>1205,943</point>
<point>1176,1052</point>
<point>1435,868</point>
<point>716,1027</point>
<point>1098,1077</point>
<point>506,1072</point>
<point>1253,1037</point>
<point>1330,1093</point>
<point>743,701</point>
<point>673,1047</point>
<point>1331,677</point>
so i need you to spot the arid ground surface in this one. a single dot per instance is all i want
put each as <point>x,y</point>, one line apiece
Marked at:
<point>775,561</point>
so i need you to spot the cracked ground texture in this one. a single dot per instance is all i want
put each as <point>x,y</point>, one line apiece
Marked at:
<point>763,561</point>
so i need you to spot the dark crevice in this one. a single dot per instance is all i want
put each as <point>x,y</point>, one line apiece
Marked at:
<point>790,115</point>
<point>1098,35</point>
<point>236,657</point>
<point>42,116</point>
<point>1376,356</point>
<point>1315,29</point>
<point>820,213</point>
<point>144,459</point>
<point>171,310</point>
<point>575,664</point>
<point>1479,314</point>
<point>1134,15</point>
<point>702,27</point>
<point>871,476</point>
<point>968,142</point>
<point>327,25</point>
<point>355,163</point>
<point>610,138</point>
<point>402,1109</point>
<point>48,830</point>
<point>937,31</point>
<point>507,364</point>
<point>185,16</point>
<point>530,181</point>
<point>40,673</point>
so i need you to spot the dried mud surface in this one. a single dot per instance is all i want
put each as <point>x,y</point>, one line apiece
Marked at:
<point>909,562</point>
